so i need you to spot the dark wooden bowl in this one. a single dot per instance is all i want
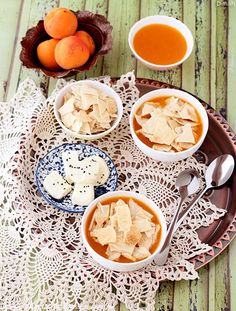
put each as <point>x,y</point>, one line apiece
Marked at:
<point>96,25</point>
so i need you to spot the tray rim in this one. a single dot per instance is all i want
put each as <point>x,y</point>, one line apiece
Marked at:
<point>223,242</point>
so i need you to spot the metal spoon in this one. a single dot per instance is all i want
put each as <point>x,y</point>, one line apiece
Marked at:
<point>217,173</point>
<point>188,183</point>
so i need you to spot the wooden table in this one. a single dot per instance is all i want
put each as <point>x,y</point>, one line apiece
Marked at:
<point>210,73</point>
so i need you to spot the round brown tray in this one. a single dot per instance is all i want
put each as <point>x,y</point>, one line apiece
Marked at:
<point>220,139</point>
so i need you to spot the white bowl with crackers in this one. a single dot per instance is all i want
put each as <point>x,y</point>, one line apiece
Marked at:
<point>88,109</point>
<point>168,124</point>
<point>123,230</point>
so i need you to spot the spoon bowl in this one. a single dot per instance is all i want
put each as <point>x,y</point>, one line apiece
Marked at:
<point>219,171</point>
<point>187,182</point>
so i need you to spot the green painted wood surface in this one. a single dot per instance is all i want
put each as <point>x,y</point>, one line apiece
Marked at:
<point>210,73</point>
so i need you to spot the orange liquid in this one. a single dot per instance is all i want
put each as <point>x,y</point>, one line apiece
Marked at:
<point>101,249</point>
<point>160,44</point>
<point>160,102</point>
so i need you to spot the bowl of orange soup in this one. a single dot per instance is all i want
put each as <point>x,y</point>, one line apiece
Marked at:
<point>160,42</point>
<point>123,230</point>
<point>168,124</point>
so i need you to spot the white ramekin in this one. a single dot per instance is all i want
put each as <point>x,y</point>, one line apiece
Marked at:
<point>166,20</point>
<point>113,265</point>
<point>162,155</point>
<point>100,86</point>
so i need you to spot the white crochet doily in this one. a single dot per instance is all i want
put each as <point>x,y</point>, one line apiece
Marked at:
<point>43,264</point>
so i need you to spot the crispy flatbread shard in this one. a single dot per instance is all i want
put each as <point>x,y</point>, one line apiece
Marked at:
<point>85,128</point>
<point>112,255</point>
<point>76,91</point>
<point>189,113</point>
<point>76,126</point>
<point>111,106</point>
<point>122,247</point>
<point>172,104</point>
<point>176,146</point>
<point>101,214</point>
<point>123,216</point>
<point>92,223</point>
<point>159,129</point>
<point>150,233</point>
<point>133,236</point>
<point>82,116</point>
<point>112,208</point>
<point>145,241</point>
<point>186,136</point>
<point>87,100</point>
<point>104,235</point>
<point>186,145</point>
<point>142,224</point>
<point>68,119</point>
<point>140,253</point>
<point>86,89</point>
<point>102,107</point>
<point>148,108</point>
<point>162,147</point>
<point>141,121</point>
<point>173,123</point>
<point>114,221</point>
<point>134,207</point>
<point>67,107</point>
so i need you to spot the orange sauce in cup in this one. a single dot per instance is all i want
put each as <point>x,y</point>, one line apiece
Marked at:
<point>160,44</point>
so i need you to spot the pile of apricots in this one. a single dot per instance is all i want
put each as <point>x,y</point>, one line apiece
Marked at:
<point>68,47</point>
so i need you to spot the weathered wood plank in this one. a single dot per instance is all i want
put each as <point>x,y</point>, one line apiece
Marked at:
<point>161,7</point>
<point>199,292</point>
<point>213,56</point>
<point>181,296</point>
<point>202,63</point>
<point>122,15</point>
<point>164,298</point>
<point>222,297</point>
<point>211,290</point>
<point>9,19</point>
<point>221,58</point>
<point>232,275</point>
<point>231,69</point>
<point>16,64</point>
<point>188,67</point>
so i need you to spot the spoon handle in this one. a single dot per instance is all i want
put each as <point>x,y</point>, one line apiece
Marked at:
<point>183,214</point>
<point>163,253</point>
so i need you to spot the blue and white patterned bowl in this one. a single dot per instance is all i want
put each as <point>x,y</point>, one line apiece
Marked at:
<point>53,161</point>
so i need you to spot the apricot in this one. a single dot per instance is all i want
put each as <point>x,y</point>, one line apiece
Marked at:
<point>71,52</point>
<point>46,54</point>
<point>88,40</point>
<point>60,23</point>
